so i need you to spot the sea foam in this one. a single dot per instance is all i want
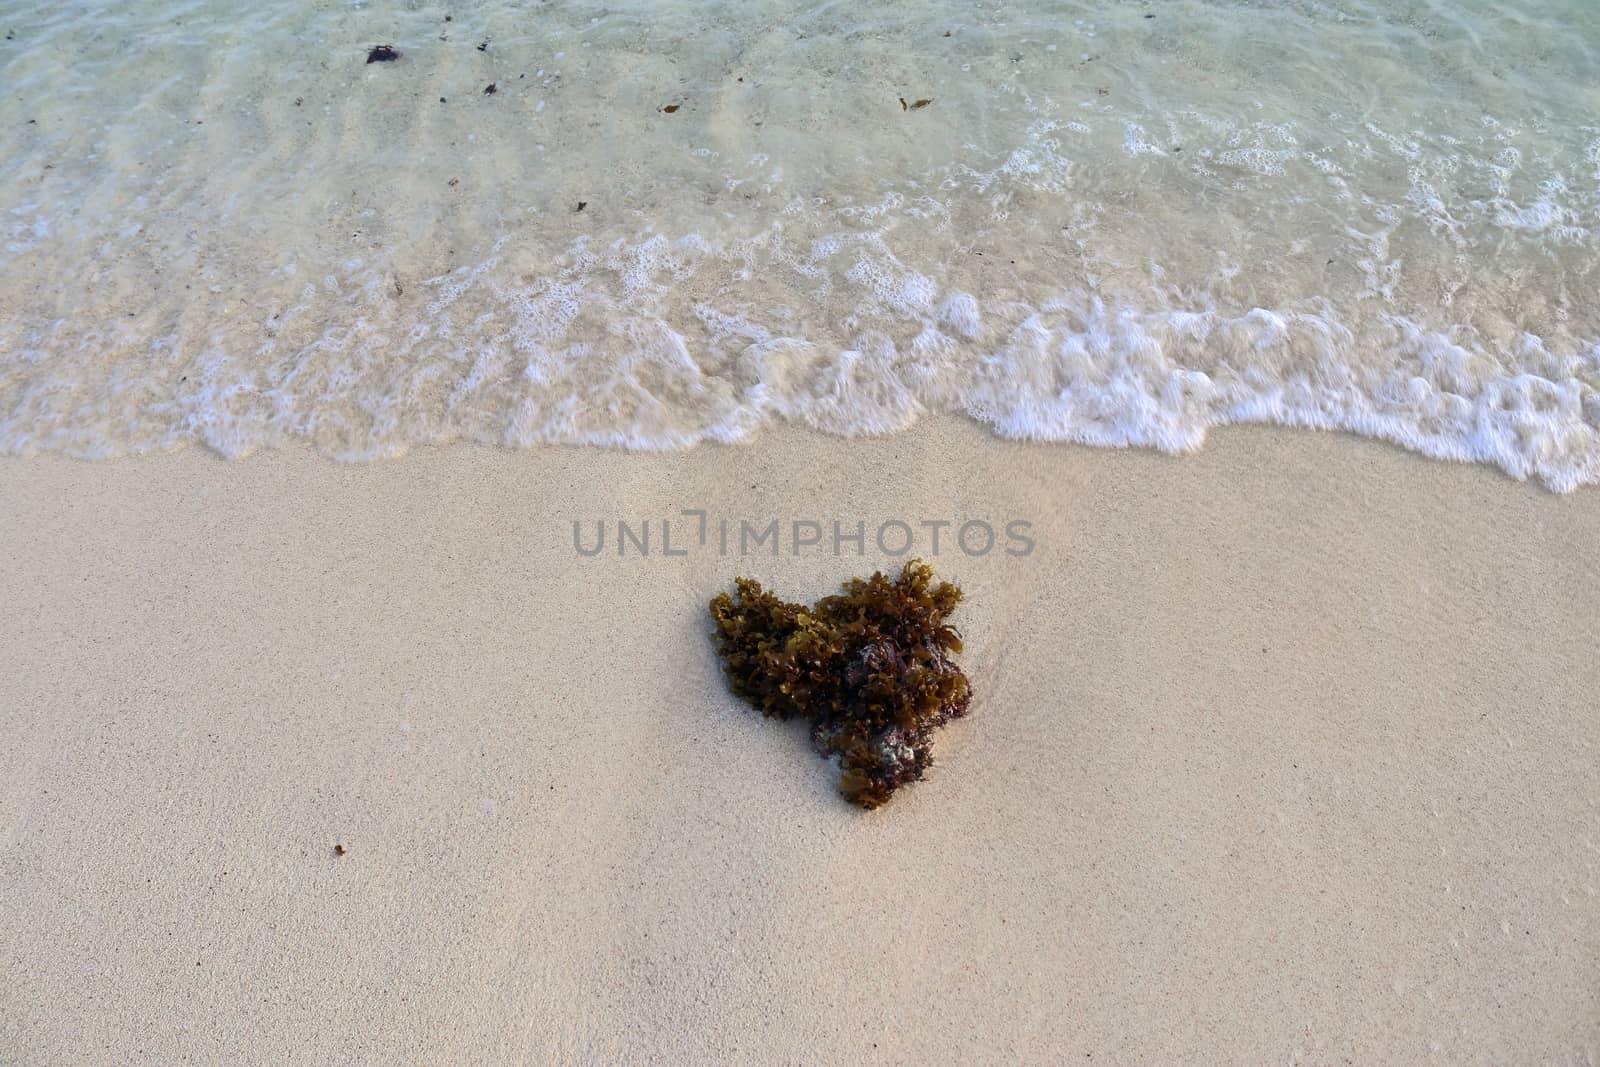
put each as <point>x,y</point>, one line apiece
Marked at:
<point>1129,247</point>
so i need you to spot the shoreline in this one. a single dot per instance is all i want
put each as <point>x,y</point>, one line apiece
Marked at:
<point>1282,749</point>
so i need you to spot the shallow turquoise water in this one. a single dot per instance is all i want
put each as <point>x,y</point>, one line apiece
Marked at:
<point>1119,224</point>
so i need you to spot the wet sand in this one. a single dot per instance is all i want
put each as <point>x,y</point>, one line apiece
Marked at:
<point>1285,751</point>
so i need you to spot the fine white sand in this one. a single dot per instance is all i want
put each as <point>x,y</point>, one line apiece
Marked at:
<point>1282,752</point>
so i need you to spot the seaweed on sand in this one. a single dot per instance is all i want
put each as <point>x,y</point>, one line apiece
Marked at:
<point>870,668</point>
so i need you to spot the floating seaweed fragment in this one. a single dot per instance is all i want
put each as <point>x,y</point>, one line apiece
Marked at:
<point>671,108</point>
<point>870,668</point>
<point>383,53</point>
<point>581,205</point>
<point>490,89</point>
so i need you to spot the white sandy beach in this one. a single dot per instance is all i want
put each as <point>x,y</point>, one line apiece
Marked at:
<point>1282,752</point>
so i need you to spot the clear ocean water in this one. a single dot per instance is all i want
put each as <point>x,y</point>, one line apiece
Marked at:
<point>1119,223</point>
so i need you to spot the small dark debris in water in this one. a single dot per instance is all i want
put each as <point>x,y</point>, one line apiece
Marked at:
<point>1329,263</point>
<point>447,18</point>
<point>383,53</point>
<point>581,205</point>
<point>1179,148</point>
<point>299,100</point>
<point>1149,16</point>
<point>484,46</point>
<point>399,290</point>
<point>671,108</point>
<point>33,122</point>
<point>1102,92</point>
<point>338,850</point>
<point>453,182</point>
<point>10,36</point>
<point>490,89</point>
<point>947,33</point>
<point>871,669</point>
<point>741,79</point>
<point>442,100</point>
<point>916,105</point>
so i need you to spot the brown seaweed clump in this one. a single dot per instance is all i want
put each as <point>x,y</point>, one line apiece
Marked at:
<point>869,668</point>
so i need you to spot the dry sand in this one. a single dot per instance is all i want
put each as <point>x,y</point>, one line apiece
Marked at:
<point>1283,752</point>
